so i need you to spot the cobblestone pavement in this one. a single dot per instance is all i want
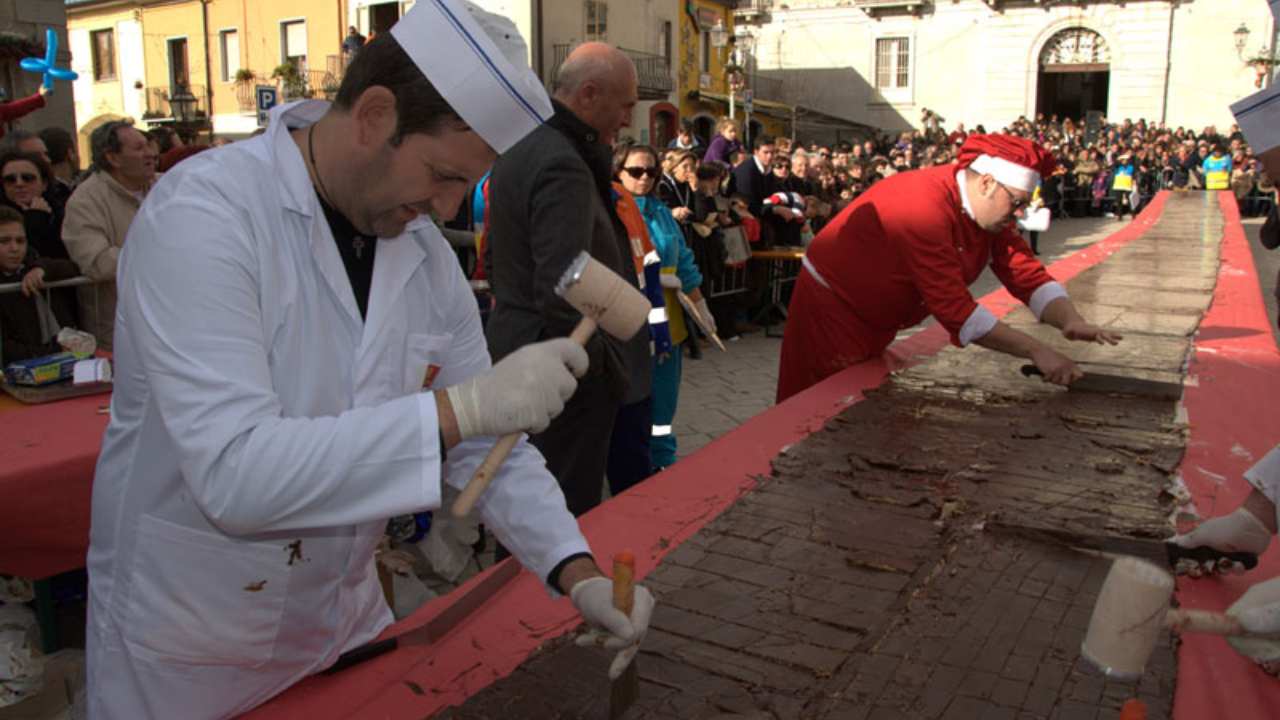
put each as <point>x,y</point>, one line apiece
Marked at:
<point>723,390</point>
<point>895,564</point>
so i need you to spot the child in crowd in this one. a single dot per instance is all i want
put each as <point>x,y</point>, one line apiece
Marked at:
<point>27,325</point>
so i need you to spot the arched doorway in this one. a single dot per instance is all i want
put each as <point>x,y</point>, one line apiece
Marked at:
<point>86,130</point>
<point>662,124</point>
<point>1075,73</point>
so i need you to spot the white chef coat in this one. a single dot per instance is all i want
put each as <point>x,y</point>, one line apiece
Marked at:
<point>261,434</point>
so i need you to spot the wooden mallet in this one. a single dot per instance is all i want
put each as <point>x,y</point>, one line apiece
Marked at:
<point>1131,612</point>
<point>606,301</point>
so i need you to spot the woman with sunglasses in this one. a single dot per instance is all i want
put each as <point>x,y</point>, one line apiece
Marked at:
<point>27,179</point>
<point>636,166</point>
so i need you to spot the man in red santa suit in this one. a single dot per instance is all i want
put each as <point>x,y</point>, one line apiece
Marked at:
<point>909,247</point>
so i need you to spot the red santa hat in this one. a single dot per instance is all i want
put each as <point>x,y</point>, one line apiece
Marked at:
<point>1013,161</point>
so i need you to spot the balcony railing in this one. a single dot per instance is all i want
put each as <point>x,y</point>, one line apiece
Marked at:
<point>160,106</point>
<point>310,84</point>
<point>653,72</point>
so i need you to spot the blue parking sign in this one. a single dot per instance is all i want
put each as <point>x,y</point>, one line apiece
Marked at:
<point>268,97</point>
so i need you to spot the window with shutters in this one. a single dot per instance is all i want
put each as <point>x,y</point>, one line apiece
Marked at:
<point>229,50</point>
<point>104,54</point>
<point>596,13</point>
<point>893,63</point>
<point>293,43</point>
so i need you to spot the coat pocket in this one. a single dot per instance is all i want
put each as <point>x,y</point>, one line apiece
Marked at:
<point>423,360</point>
<point>202,598</point>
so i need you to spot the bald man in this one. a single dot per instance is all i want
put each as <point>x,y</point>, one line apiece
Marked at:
<point>549,199</point>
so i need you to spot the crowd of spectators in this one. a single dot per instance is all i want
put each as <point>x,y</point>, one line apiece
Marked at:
<point>726,196</point>
<point>780,192</point>
<point>1104,170</point>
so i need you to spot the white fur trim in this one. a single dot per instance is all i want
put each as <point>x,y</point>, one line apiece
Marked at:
<point>1044,295</point>
<point>808,265</point>
<point>980,322</point>
<point>1007,173</point>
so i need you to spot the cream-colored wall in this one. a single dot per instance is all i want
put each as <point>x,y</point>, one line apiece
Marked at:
<point>93,99</point>
<point>975,65</point>
<point>1207,73</point>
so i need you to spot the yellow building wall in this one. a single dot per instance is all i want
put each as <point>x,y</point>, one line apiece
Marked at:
<point>162,23</point>
<point>689,75</point>
<point>688,70</point>
<point>261,41</point>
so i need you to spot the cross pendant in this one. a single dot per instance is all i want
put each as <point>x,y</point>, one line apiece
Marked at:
<point>358,246</point>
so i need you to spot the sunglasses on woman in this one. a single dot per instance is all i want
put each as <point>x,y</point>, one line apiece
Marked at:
<point>15,177</point>
<point>638,172</point>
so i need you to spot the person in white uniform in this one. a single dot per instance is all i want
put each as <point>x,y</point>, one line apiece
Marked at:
<point>283,305</point>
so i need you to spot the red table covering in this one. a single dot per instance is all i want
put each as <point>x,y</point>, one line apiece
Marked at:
<point>46,481</point>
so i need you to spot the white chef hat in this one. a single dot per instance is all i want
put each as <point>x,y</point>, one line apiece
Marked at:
<point>476,60</point>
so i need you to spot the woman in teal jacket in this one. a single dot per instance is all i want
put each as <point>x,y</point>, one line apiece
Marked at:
<point>638,168</point>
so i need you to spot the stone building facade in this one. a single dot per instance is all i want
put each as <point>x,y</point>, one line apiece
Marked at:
<point>882,62</point>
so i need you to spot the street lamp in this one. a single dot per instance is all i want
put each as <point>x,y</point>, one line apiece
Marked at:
<point>1242,36</point>
<point>719,36</point>
<point>183,105</point>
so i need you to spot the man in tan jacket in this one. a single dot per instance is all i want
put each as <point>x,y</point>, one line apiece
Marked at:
<point>99,214</point>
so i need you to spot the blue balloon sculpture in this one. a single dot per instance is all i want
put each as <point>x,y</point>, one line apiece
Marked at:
<point>47,65</point>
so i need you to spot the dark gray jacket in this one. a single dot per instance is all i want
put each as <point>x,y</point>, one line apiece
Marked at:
<point>550,198</point>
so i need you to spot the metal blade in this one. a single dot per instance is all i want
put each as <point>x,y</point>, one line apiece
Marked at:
<point>624,691</point>
<point>1161,552</point>
<point>1095,382</point>
<point>438,626</point>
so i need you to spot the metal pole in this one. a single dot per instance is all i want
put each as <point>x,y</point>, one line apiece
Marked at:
<point>731,94</point>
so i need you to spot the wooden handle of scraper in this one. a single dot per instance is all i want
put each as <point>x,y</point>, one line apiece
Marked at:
<point>502,448</point>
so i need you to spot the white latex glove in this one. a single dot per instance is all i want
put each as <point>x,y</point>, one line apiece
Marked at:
<point>523,392</point>
<point>1258,610</point>
<point>611,629</point>
<point>1238,532</point>
<point>670,280</point>
<point>705,311</point>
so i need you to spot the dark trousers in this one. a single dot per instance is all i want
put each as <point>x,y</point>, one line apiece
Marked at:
<point>576,445</point>
<point>629,461</point>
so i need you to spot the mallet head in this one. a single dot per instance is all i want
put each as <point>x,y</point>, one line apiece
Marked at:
<point>1128,618</point>
<point>604,296</point>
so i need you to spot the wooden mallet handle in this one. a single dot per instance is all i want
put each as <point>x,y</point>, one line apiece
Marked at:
<point>502,448</point>
<point>1204,621</point>
<point>624,582</point>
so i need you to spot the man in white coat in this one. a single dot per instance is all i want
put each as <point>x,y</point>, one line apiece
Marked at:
<point>282,309</point>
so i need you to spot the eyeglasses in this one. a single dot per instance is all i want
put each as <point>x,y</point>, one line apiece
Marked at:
<point>781,166</point>
<point>15,177</point>
<point>638,172</point>
<point>1015,203</point>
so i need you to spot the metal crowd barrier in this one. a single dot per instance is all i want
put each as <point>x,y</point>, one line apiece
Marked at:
<point>78,281</point>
